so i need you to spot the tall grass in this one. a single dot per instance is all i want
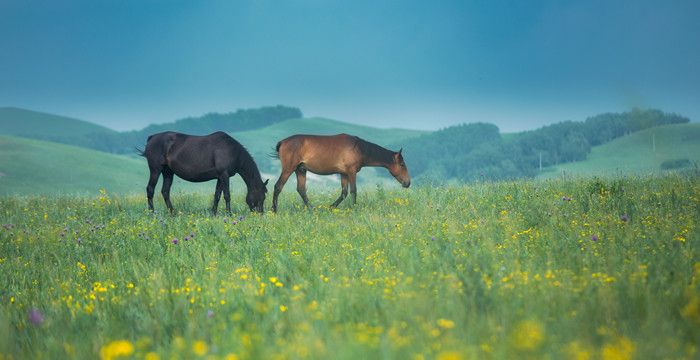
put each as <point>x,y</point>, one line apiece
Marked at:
<point>560,269</point>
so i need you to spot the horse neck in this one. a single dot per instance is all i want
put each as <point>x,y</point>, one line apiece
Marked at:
<point>250,173</point>
<point>375,155</point>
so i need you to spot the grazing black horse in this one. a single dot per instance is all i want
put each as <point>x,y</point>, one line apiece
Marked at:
<point>202,158</point>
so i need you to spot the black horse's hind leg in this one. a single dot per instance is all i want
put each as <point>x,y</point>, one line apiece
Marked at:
<point>344,192</point>
<point>227,192</point>
<point>217,197</point>
<point>165,190</point>
<point>278,188</point>
<point>151,187</point>
<point>301,185</point>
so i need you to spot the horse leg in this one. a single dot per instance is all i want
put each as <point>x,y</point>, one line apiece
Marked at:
<point>344,190</point>
<point>165,190</point>
<point>217,196</point>
<point>151,187</point>
<point>301,185</point>
<point>227,192</point>
<point>352,178</point>
<point>278,187</point>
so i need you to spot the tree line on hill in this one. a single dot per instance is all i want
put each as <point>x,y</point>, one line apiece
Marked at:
<point>477,151</point>
<point>125,142</point>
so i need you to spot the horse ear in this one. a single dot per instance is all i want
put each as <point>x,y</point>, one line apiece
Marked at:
<point>400,150</point>
<point>266,181</point>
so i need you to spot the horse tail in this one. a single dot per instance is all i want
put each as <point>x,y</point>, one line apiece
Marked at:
<point>276,153</point>
<point>139,151</point>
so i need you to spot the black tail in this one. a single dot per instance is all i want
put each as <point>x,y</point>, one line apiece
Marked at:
<point>276,153</point>
<point>139,151</point>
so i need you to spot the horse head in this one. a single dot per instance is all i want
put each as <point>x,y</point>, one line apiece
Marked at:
<point>256,197</point>
<point>399,170</point>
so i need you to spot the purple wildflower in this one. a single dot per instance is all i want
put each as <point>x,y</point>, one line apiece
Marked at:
<point>175,241</point>
<point>192,235</point>
<point>210,313</point>
<point>594,237</point>
<point>240,218</point>
<point>35,317</point>
<point>624,218</point>
<point>186,238</point>
<point>79,240</point>
<point>432,238</point>
<point>565,198</point>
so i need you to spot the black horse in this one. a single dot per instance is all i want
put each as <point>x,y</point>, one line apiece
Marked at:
<point>202,158</point>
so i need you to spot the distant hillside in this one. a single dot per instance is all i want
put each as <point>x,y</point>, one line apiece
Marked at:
<point>240,120</point>
<point>478,151</point>
<point>642,152</point>
<point>34,124</point>
<point>39,167</point>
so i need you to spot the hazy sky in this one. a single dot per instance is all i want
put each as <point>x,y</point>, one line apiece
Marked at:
<point>416,64</point>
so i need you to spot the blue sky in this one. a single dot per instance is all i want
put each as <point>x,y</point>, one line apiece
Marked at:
<point>415,64</point>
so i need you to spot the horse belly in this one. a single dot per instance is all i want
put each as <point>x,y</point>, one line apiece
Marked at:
<point>194,172</point>
<point>326,166</point>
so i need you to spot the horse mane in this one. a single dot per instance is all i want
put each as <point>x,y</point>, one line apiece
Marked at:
<point>248,164</point>
<point>372,151</point>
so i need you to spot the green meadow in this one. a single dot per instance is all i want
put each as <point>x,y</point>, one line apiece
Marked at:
<point>568,268</point>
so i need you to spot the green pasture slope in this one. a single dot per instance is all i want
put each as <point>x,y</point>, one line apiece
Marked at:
<point>21,122</point>
<point>553,269</point>
<point>41,167</point>
<point>639,153</point>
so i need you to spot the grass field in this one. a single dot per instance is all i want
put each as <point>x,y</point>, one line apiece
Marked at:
<point>531,269</point>
<point>639,153</point>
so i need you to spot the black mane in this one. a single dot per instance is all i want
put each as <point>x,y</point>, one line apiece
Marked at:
<point>374,152</point>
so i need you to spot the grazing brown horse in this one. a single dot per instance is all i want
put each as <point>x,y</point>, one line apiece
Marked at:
<point>202,158</point>
<point>338,154</point>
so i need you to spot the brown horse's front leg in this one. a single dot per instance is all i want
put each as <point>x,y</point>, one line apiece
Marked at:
<point>352,178</point>
<point>278,187</point>
<point>344,190</point>
<point>301,185</point>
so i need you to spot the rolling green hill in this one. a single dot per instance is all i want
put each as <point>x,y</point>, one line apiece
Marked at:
<point>41,167</point>
<point>34,124</point>
<point>638,153</point>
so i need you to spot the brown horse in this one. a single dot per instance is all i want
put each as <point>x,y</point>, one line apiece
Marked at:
<point>338,154</point>
<point>202,158</point>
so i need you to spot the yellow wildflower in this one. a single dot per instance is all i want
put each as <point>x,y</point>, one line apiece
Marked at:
<point>445,323</point>
<point>151,356</point>
<point>449,355</point>
<point>200,348</point>
<point>528,335</point>
<point>622,349</point>
<point>116,349</point>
